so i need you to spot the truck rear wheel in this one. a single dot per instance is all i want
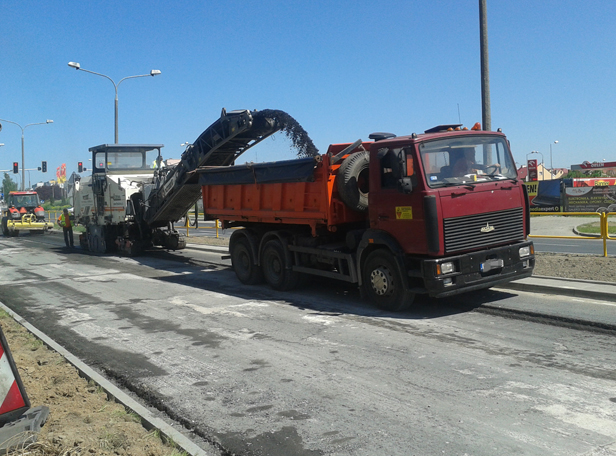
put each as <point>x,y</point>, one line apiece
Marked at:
<point>243,261</point>
<point>352,181</point>
<point>275,268</point>
<point>97,242</point>
<point>384,283</point>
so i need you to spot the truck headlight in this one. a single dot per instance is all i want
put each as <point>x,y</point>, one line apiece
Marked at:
<point>445,268</point>
<point>15,215</point>
<point>525,251</point>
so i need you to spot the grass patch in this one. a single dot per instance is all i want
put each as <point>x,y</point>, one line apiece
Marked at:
<point>595,228</point>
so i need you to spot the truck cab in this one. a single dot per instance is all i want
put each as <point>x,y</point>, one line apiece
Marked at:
<point>449,205</point>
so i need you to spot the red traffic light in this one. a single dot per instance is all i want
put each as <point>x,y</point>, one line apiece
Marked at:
<point>15,167</point>
<point>80,167</point>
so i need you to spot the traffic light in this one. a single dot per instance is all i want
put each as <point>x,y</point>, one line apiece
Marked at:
<point>44,166</point>
<point>15,167</point>
<point>80,167</point>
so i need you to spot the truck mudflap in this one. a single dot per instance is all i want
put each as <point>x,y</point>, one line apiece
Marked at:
<point>477,270</point>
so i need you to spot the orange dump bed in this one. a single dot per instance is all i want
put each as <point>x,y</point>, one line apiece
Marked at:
<point>313,202</point>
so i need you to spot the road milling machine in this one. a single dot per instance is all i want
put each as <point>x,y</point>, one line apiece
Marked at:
<point>131,200</point>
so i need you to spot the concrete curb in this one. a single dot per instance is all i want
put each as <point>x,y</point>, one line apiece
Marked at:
<point>149,421</point>
<point>567,287</point>
<point>209,248</point>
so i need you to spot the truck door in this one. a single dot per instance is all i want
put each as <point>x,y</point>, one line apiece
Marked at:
<point>395,200</point>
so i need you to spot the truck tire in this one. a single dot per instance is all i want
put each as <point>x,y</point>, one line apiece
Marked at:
<point>243,262</point>
<point>5,228</point>
<point>352,181</point>
<point>96,239</point>
<point>275,267</point>
<point>384,283</point>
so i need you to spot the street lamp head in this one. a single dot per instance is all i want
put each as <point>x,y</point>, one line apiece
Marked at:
<point>153,72</point>
<point>555,142</point>
<point>49,121</point>
<point>74,65</point>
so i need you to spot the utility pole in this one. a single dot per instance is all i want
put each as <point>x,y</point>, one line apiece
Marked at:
<point>486,115</point>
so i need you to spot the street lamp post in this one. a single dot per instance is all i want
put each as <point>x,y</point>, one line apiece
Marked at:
<point>551,166</point>
<point>151,73</point>
<point>23,164</point>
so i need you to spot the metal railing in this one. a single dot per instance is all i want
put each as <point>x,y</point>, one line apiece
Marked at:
<point>188,224</point>
<point>603,224</point>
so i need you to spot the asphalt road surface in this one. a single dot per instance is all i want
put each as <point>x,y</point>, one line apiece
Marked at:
<point>318,371</point>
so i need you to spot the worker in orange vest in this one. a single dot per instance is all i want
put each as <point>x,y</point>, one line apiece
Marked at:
<point>67,227</point>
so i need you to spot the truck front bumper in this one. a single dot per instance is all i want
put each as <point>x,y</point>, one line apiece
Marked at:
<point>473,271</point>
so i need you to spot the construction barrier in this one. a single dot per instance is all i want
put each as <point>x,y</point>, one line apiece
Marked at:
<point>12,393</point>
<point>19,424</point>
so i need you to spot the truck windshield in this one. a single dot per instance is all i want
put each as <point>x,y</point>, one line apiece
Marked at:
<point>467,159</point>
<point>126,160</point>
<point>23,200</point>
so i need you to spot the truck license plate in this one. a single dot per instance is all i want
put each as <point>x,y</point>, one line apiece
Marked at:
<point>492,264</point>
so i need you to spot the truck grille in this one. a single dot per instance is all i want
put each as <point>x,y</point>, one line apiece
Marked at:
<point>483,230</point>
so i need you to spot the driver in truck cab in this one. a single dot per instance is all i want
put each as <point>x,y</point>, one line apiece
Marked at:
<point>465,164</point>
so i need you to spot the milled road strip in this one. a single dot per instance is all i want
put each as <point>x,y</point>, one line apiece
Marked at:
<point>148,420</point>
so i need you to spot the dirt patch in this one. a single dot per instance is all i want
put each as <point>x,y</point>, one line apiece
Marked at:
<point>583,267</point>
<point>82,421</point>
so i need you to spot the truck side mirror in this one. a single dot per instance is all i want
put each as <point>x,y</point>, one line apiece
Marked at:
<point>410,166</point>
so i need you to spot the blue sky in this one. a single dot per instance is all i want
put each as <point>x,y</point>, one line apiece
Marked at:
<point>343,69</point>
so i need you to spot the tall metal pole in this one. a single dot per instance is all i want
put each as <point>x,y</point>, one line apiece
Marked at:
<point>23,164</point>
<point>486,115</point>
<point>116,112</point>
<point>552,166</point>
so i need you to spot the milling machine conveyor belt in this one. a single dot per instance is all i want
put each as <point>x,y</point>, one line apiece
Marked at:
<point>219,145</point>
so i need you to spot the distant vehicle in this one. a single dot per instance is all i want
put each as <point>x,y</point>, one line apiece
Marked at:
<point>24,212</point>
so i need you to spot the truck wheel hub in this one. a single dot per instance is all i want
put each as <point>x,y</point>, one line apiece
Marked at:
<point>381,280</point>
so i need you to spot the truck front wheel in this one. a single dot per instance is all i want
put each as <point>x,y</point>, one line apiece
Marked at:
<point>384,284</point>
<point>243,262</point>
<point>275,268</point>
<point>5,228</point>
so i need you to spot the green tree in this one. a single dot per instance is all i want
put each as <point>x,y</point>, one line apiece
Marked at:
<point>8,185</point>
<point>574,174</point>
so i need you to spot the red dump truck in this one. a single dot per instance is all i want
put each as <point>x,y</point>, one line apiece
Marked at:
<point>437,213</point>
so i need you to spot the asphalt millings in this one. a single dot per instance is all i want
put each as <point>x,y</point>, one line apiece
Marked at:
<point>294,131</point>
